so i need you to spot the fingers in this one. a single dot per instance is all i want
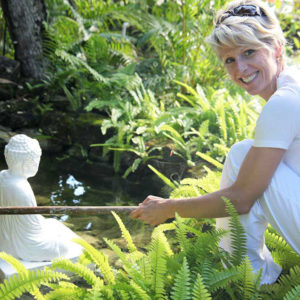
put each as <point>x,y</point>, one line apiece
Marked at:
<point>149,211</point>
<point>135,214</point>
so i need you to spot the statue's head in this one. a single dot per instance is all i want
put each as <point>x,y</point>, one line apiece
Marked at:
<point>22,155</point>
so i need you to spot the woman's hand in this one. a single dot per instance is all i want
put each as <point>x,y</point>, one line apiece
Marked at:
<point>153,210</point>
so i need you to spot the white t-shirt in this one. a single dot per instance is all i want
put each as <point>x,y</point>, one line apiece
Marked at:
<point>278,125</point>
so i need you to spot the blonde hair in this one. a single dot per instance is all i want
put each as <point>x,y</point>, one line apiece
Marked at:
<point>246,31</point>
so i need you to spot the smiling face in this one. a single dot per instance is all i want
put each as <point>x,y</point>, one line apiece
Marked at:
<point>254,70</point>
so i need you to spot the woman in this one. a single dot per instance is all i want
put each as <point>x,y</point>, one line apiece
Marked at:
<point>261,177</point>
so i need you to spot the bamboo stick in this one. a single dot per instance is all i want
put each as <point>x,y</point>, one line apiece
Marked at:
<point>55,210</point>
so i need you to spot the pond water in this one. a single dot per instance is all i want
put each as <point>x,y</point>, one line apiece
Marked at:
<point>73,182</point>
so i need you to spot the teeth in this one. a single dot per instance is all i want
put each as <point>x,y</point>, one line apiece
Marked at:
<point>248,79</point>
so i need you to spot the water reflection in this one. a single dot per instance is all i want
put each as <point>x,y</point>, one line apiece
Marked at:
<point>69,190</point>
<point>78,183</point>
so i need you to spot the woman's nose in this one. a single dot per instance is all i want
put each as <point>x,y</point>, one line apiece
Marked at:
<point>241,65</point>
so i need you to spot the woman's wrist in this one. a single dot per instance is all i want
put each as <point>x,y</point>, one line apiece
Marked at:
<point>170,208</point>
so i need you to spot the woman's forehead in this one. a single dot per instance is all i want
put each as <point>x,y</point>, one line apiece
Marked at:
<point>225,51</point>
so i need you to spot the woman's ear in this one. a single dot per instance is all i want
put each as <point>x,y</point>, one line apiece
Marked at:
<point>278,49</point>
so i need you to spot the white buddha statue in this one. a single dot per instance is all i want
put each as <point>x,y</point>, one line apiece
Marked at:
<point>29,237</point>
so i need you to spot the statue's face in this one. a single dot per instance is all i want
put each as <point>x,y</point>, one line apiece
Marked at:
<point>31,167</point>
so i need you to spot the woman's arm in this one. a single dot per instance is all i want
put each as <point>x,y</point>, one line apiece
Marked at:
<point>254,176</point>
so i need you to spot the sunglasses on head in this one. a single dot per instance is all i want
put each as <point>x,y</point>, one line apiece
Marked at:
<point>242,11</point>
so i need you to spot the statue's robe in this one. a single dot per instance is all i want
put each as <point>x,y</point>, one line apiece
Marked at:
<point>31,237</point>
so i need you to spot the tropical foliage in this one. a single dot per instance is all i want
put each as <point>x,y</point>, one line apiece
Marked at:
<point>182,261</point>
<point>145,69</point>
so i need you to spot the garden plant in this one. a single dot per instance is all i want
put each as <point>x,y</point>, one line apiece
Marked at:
<point>144,69</point>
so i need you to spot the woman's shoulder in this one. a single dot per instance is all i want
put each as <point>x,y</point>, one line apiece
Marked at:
<point>289,81</point>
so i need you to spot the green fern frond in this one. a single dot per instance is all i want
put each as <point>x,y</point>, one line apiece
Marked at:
<point>186,191</point>
<point>99,259</point>
<point>84,259</point>
<point>129,266</point>
<point>163,228</point>
<point>16,264</point>
<point>125,233</point>
<point>181,287</point>
<point>282,253</point>
<point>286,259</point>
<point>181,232</point>
<point>94,293</point>
<point>210,160</point>
<point>134,256</point>
<point>247,277</point>
<point>199,291</point>
<point>237,234</point>
<point>293,294</point>
<point>15,286</point>
<point>140,293</point>
<point>222,279</point>
<point>288,281</point>
<point>117,251</point>
<point>73,293</point>
<point>157,258</point>
<point>207,184</point>
<point>145,269</point>
<point>220,113</point>
<point>275,241</point>
<point>77,62</point>
<point>160,232</point>
<point>206,270</point>
<point>166,180</point>
<point>78,269</point>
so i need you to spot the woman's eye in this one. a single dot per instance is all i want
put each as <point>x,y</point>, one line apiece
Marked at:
<point>249,52</point>
<point>229,60</point>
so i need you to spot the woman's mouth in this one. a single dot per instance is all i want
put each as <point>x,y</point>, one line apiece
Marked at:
<point>248,79</point>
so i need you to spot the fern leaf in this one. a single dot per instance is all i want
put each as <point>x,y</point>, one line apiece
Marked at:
<point>18,266</point>
<point>247,279</point>
<point>282,254</point>
<point>131,268</point>
<point>210,160</point>
<point>66,293</point>
<point>158,266</point>
<point>186,191</point>
<point>118,251</point>
<point>141,293</point>
<point>15,286</point>
<point>237,233</point>
<point>222,279</point>
<point>166,180</point>
<point>78,269</point>
<point>206,271</point>
<point>95,293</point>
<point>164,241</point>
<point>181,232</point>
<point>125,233</point>
<point>288,281</point>
<point>99,259</point>
<point>84,259</point>
<point>145,269</point>
<point>199,291</point>
<point>293,294</point>
<point>181,288</point>
<point>77,62</point>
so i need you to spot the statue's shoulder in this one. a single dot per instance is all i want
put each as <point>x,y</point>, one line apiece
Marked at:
<point>9,181</point>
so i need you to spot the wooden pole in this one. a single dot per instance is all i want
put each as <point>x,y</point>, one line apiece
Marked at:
<point>55,210</point>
